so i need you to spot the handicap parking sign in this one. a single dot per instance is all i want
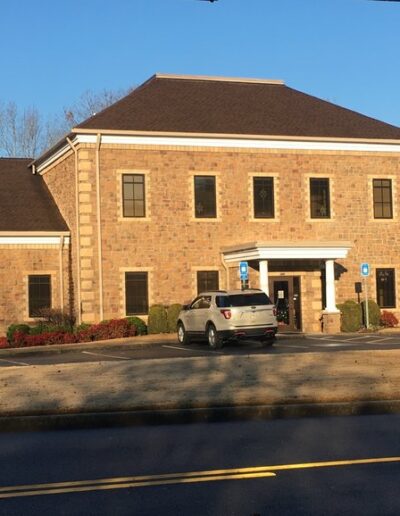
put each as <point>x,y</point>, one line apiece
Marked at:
<point>364,269</point>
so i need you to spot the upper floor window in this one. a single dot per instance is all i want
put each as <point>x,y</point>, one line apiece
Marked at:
<point>263,196</point>
<point>205,201</point>
<point>207,280</point>
<point>382,189</point>
<point>136,293</point>
<point>133,195</point>
<point>39,296</point>
<point>385,288</point>
<point>319,198</point>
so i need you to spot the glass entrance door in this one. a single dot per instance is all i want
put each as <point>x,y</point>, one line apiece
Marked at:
<point>285,293</point>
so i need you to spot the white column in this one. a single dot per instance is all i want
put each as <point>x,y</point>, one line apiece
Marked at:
<point>330,286</point>
<point>264,285</point>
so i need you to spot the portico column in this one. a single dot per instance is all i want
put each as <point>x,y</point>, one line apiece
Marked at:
<point>264,284</point>
<point>330,287</point>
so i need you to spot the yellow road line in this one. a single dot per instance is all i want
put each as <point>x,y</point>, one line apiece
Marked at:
<point>177,478</point>
<point>125,485</point>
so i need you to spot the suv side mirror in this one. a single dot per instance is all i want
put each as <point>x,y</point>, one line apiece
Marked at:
<point>185,307</point>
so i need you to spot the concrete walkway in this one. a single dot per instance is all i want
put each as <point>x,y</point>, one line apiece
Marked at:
<point>351,378</point>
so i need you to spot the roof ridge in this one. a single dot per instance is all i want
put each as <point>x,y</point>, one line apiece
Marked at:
<point>218,78</point>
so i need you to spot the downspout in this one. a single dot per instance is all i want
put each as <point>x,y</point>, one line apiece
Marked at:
<point>61,273</point>
<point>226,271</point>
<point>78,240</point>
<point>100,253</point>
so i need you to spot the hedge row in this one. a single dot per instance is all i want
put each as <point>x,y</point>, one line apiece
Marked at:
<point>53,331</point>
<point>163,319</point>
<point>26,336</point>
<point>353,316</point>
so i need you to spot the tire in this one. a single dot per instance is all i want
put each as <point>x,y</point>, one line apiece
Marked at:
<point>183,337</point>
<point>214,340</point>
<point>267,342</point>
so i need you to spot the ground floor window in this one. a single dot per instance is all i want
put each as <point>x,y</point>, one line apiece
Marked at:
<point>136,293</point>
<point>385,288</point>
<point>207,280</point>
<point>39,296</point>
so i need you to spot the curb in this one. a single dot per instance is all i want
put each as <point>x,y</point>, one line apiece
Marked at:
<point>126,343</point>
<point>87,420</point>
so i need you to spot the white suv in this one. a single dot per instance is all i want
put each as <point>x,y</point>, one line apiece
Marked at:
<point>221,315</point>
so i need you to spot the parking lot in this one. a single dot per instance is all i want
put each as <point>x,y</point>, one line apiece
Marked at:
<point>172,349</point>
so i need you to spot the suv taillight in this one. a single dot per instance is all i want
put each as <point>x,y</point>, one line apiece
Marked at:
<point>226,313</point>
<point>274,311</point>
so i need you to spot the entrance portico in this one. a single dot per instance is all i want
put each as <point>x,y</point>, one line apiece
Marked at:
<point>321,255</point>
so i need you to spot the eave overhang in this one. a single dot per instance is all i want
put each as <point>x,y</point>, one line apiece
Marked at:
<point>284,250</point>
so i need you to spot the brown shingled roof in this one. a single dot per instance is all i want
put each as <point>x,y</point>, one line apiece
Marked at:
<point>25,202</point>
<point>198,105</point>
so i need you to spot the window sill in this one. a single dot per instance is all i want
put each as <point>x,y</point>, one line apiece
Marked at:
<point>205,219</point>
<point>331,219</point>
<point>134,219</point>
<point>265,219</point>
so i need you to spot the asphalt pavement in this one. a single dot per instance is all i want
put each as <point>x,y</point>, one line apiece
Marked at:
<point>318,466</point>
<point>154,379</point>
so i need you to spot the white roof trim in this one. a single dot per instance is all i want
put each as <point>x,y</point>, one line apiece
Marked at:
<point>229,143</point>
<point>288,252</point>
<point>238,143</point>
<point>33,240</point>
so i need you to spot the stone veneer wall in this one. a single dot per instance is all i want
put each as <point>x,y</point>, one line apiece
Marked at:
<point>16,263</point>
<point>171,244</point>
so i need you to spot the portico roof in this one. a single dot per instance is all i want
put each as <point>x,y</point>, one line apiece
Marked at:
<point>283,249</point>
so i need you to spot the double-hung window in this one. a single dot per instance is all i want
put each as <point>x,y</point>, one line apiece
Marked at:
<point>382,193</point>
<point>319,198</point>
<point>207,280</point>
<point>386,288</point>
<point>133,195</point>
<point>136,293</point>
<point>205,198</point>
<point>39,293</point>
<point>263,197</point>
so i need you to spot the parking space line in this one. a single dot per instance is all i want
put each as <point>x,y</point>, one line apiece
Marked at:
<point>13,362</point>
<point>380,339</point>
<point>104,355</point>
<point>192,350</point>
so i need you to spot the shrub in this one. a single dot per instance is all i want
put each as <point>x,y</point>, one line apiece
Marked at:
<point>374,313</point>
<point>3,342</point>
<point>13,328</point>
<point>388,319</point>
<point>158,322</point>
<point>172,316</point>
<point>55,317</point>
<point>350,316</point>
<point>114,329</point>
<point>83,326</point>
<point>140,325</point>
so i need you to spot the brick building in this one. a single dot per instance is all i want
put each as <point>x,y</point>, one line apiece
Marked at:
<point>163,193</point>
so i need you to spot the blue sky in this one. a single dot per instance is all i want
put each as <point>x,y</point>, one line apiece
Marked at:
<point>345,51</point>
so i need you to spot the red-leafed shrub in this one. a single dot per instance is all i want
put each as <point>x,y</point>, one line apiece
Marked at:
<point>3,342</point>
<point>114,329</point>
<point>388,319</point>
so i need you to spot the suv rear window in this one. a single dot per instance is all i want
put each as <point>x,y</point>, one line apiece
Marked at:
<point>243,300</point>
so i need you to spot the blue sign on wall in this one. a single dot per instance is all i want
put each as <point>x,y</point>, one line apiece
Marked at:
<point>364,269</point>
<point>244,270</point>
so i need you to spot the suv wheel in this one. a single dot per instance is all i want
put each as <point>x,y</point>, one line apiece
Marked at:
<point>214,340</point>
<point>267,342</point>
<point>183,337</point>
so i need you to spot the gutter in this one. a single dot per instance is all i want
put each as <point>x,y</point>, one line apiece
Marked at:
<point>100,251</point>
<point>78,240</point>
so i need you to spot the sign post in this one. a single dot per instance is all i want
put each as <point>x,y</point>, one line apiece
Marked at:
<point>365,270</point>
<point>244,274</point>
